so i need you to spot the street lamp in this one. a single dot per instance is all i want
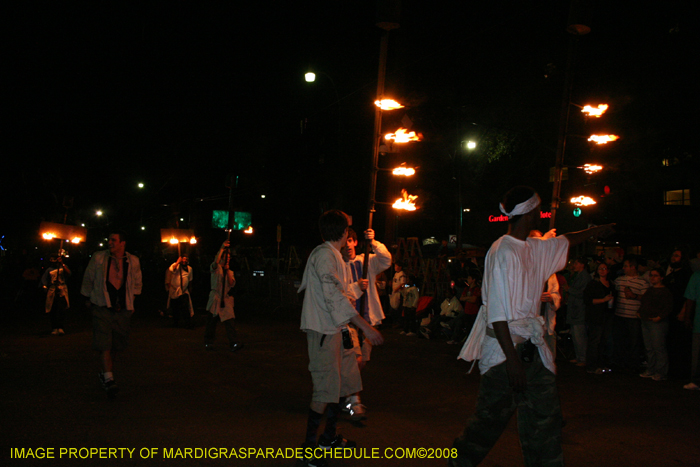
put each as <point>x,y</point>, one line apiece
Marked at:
<point>310,77</point>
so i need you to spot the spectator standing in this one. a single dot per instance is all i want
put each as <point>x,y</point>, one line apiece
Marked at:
<point>599,300</point>
<point>627,328</point>
<point>656,305</point>
<point>680,338</point>
<point>692,319</point>
<point>576,311</point>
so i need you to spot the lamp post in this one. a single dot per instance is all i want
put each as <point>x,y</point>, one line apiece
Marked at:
<point>469,146</point>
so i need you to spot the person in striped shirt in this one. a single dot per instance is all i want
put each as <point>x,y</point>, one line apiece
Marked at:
<point>627,329</point>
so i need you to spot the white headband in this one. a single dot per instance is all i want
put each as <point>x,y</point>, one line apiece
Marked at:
<point>522,208</point>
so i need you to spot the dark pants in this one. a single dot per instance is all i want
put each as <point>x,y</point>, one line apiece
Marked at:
<point>410,324</point>
<point>58,312</point>
<point>180,307</point>
<point>210,329</point>
<point>598,335</point>
<point>539,417</point>
<point>627,338</point>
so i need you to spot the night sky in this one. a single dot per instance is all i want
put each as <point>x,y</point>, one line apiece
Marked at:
<point>99,96</point>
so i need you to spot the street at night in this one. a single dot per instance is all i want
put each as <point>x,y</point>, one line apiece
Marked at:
<point>194,154</point>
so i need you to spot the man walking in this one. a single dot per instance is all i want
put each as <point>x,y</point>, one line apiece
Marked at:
<point>111,280</point>
<point>177,282</point>
<point>516,365</point>
<point>326,311</point>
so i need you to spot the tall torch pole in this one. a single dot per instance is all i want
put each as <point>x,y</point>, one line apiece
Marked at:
<point>386,26</point>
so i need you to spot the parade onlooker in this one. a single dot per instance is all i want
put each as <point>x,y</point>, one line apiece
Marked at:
<point>471,296</point>
<point>410,295</point>
<point>656,304</point>
<point>599,300</point>
<point>220,304</point>
<point>576,310</point>
<point>450,309</point>
<point>692,319</point>
<point>397,285</point>
<point>111,280</point>
<point>627,328</point>
<point>679,340</point>
<point>54,282</point>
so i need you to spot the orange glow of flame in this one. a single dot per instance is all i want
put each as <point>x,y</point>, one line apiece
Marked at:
<point>582,201</point>
<point>48,235</point>
<point>402,136</point>
<point>249,230</point>
<point>173,241</point>
<point>76,240</point>
<point>405,171</point>
<point>193,241</point>
<point>406,202</point>
<point>593,112</point>
<point>603,139</point>
<point>388,104</point>
<point>591,168</point>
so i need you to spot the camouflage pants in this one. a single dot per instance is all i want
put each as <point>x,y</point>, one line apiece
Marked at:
<point>539,417</point>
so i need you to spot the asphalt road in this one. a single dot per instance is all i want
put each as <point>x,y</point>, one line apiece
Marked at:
<point>174,394</point>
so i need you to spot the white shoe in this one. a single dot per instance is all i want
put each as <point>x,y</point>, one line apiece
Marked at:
<point>692,387</point>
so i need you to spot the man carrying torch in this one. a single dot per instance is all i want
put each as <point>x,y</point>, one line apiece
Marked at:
<point>220,304</point>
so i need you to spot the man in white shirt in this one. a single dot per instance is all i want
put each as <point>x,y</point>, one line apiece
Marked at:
<point>516,365</point>
<point>327,309</point>
<point>177,283</point>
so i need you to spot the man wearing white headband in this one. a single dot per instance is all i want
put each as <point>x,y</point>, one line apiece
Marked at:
<point>517,367</point>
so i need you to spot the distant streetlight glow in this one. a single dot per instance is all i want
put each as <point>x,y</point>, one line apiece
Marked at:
<point>603,139</point>
<point>262,196</point>
<point>143,227</point>
<point>388,104</point>
<point>595,112</point>
<point>471,144</point>
<point>140,185</point>
<point>99,213</point>
<point>310,77</point>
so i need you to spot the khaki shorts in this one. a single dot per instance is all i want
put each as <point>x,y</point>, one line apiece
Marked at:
<point>110,329</point>
<point>334,370</point>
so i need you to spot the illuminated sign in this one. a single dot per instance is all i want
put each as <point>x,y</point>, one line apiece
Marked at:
<point>504,218</point>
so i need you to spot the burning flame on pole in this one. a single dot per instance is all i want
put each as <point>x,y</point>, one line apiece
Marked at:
<point>583,201</point>
<point>406,202</point>
<point>48,236</point>
<point>174,241</point>
<point>603,139</point>
<point>388,104</point>
<point>405,171</point>
<point>591,168</point>
<point>402,136</point>
<point>595,112</point>
<point>249,230</point>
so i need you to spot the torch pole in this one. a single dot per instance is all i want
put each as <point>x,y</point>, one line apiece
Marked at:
<point>375,147</point>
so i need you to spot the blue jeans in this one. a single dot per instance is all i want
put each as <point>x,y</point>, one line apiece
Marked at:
<point>655,344</point>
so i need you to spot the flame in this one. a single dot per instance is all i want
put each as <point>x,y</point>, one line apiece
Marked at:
<point>76,240</point>
<point>402,136</point>
<point>406,203</point>
<point>388,104</point>
<point>405,171</point>
<point>193,241</point>
<point>249,230</point>
<point>591,168</point>
<point>582,201</point>
<point>173,241</point>
<point>48,235</point>
<point>603,139</point>
<point>593,112</point>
